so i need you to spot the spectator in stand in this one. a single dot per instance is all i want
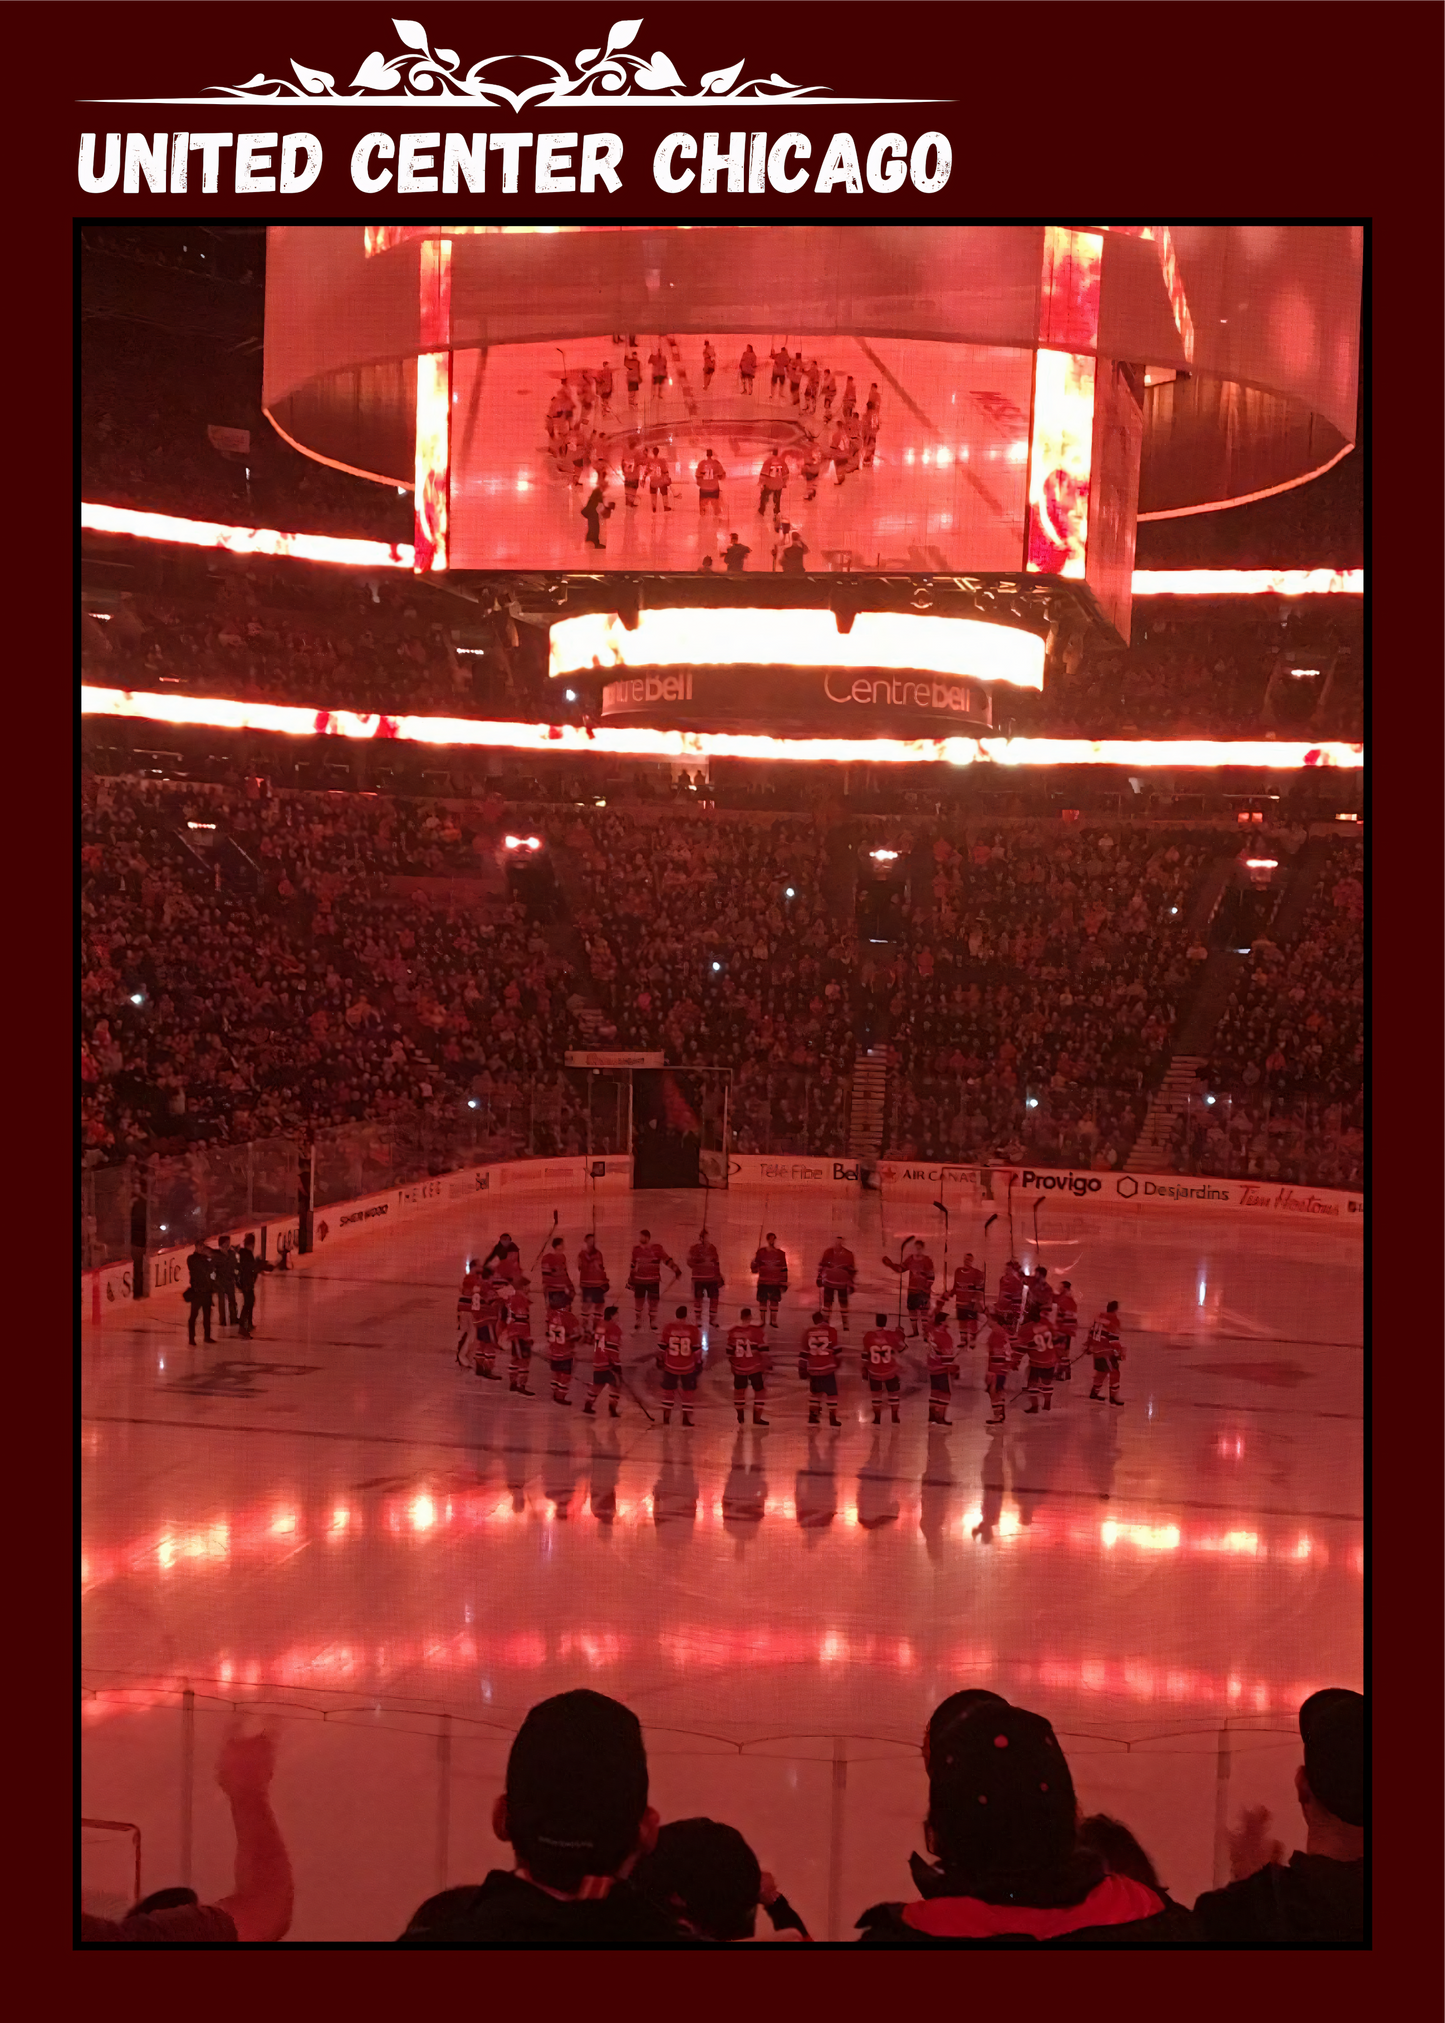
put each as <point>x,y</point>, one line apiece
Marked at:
<point>258,1911</point>
<point>705,1877</point>
<point>576,1816</point>
<point>1002,1827</point>
<point>1317,1897</point>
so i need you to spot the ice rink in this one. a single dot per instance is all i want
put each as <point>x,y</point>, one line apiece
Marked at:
<point>394,1560</point>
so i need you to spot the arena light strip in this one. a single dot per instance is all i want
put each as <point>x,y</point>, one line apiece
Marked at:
<point>359,554</point>
<point>295,720</point>
<point>713,636</point>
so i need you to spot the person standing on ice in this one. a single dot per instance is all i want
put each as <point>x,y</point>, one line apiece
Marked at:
<point>517,1333</point>
<point>882,1346</point>
<point>471,1280</point>
<point>1066,1326</point>
<point>942,1367</point>
<point>771,1265</point>
<point>556,1278</point>
<point>606,1364</point>
<point>591,1274</point>
<point>709,364</point>
<point>707,1278</point>
<point>644,1277</point>
<point>709,474</point>
<point>1036,1340</point>
<point>818,1361</point>
<point>1011,1295</point>
<point>563,1328</point>
<point>921,1273</point>
<point>747,367</point>
<point>748,1353</point>
<point>837,1277</point>
<point>999,1351</point>
<point>1108,1352</point>
<point>680,1354</point>
<point>968,1292</point>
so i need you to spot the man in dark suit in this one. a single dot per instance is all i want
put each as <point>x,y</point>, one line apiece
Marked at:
<point>249,1268</point>
<point>200,1290</point>
<point>223,1267</point>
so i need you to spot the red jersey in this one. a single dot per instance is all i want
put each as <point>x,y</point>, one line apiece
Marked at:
<point>517,1333</point>
<point>709,473</point>
<point>920,1269</point>
<point>487,1305</point>
<point>647,1262</point>
<point>941,1360</point>
<point>968,1286</point>
<point>563,1328</point>
<point>839,1267</point>
<point>702,1262</point>
<point>881,1350</point>
<point>555,1275</point>
<point>1066,1313</point>
<point>1104,1335</point>
<point>771,1265</point>
<point>747,1349</point>
<point>1035,1337</point>
<point>519,1308</point>
<point>819,1353</point>
<point>996,1342</point>
<point>607,1346</point>
<point>681,1346</point>
<point>1011,1288</point>
<point>774,471</point>
<point>591,1270</point>
<point>471,1283</point>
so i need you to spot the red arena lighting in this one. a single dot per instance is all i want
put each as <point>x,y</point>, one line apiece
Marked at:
<point>296,720</point>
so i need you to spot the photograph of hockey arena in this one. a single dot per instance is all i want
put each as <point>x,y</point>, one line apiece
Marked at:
<point>721,1088</point>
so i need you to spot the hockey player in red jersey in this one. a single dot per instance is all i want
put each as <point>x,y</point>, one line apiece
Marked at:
<point>644,1277</point>
<point>606,1364</point>
<point>1066,1326</point>
<point>1035,1339</point>
<point>487,1312</point>
<point>563,1328</point>
<point>838,1277</point>
<point>968,1296</point>
<point>517,1334</point>
<point>680,1354</point>
<point>591,1275</point>
<point>1107,1351</point>
<point>942,1366</point>
<point>748,1354</point>
<point>882,1346</point>
<point>1011,1295</point>
<point>557,1283</point>
<point>471,1281</point>
<point>1000,1361</point>
<point>818,1361</point>
<point>707,1278</point>
<point>771,1265</point>
<point>921,1272</point>
<point>709,473</point>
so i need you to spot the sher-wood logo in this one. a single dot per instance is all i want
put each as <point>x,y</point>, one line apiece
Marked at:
<point>363,1214</point>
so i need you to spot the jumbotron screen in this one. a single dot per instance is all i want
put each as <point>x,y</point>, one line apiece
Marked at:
<point>886,454</point>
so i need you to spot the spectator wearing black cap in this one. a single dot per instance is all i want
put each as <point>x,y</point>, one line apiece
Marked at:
<point>1319,1895</point>
<point>1008,1869</point>
<point>705,1876</point>
<point>576,1816</point>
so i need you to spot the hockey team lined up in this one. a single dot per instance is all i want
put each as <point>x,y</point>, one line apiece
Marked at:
<point>1031,1321</point>
<point>580,440</point>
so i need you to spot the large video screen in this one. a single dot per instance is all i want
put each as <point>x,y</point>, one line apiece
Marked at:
<point>868,454</point>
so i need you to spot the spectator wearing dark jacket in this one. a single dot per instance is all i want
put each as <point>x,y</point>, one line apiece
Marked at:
<point>200,1290</point>
<point>1009,1869</point>
<point>576,1815</point>
<point>1317,1896</point>
<point>704,1874</point>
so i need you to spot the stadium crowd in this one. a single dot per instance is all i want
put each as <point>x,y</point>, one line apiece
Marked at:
<point>1012,1860</point>
<point>1029,1002</point>
<point>1282,1096</point>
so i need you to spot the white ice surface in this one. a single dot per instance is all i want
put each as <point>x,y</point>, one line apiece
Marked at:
<point>417,1556</point>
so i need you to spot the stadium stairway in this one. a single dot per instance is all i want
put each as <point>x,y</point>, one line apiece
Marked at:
<point>869,1105</point>
<point>1309,869</point>
<point>1151,1150</point>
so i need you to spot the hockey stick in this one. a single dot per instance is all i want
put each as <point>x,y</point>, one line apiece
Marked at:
<point>902,1257</point>
<point>1010,1211</point>
<point>1037,1206</point>
<point>545,1241</point>
<point>944,1213</point>
<point>636,1400</point>
<point>986,1228</point>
